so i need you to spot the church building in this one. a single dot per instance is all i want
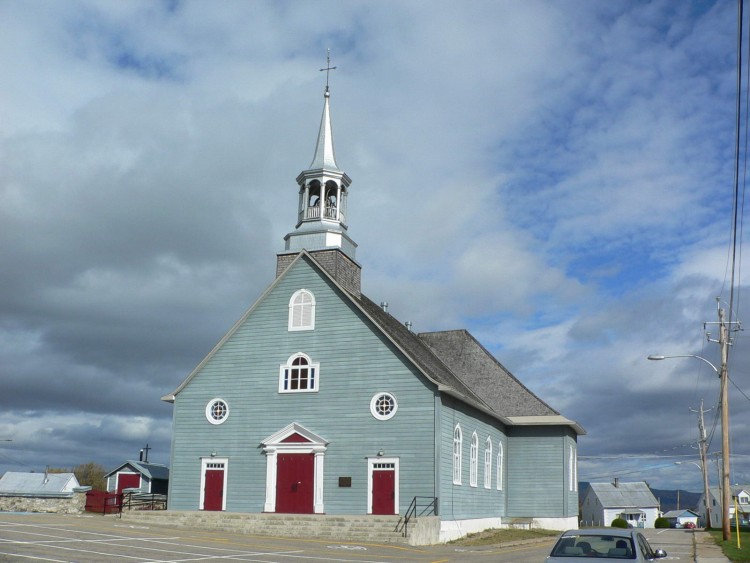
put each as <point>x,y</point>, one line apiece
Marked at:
<point>319,401</point>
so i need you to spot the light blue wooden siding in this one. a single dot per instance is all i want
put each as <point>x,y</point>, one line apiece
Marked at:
<point>356,362</point>
<point>538,473</point>
<point>464,501</point>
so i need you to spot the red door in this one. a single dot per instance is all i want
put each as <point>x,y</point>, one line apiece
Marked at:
<point>294,483</point>
<point>128,481</point>
<point>213,492</point>
<point>384,491</point>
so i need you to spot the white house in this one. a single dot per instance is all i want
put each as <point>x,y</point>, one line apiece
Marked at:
<point>634,502</point>
<point>740,495</point>
<point>681,517</point>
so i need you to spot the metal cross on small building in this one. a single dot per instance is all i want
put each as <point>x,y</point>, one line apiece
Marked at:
<point>145,458</point>
<point>328,68</point>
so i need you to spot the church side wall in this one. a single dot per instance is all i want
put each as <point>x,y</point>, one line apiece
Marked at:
<point>538,475</point>
<point>355,364</point>
<point>462,502</point>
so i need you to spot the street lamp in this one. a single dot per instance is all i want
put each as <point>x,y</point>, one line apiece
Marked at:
<point>701,358</point>
<point>702,467</point>
<point>724,377</point>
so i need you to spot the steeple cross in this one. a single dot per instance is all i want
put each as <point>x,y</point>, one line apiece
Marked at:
<point>328,68</point>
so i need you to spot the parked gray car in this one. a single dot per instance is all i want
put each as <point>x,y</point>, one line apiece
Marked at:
<point>603,544</point>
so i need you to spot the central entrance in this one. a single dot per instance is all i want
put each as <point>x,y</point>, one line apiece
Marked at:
<point>294,471</point>
<point>295,474</point>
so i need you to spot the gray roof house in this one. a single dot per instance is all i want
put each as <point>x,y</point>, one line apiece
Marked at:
<point>15,483</point>
<point>633,502</point>
<point>680,517</point>
<point>148,477</point>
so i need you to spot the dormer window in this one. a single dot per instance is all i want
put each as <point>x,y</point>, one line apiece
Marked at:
<point>299,374</point>
<point>302,310</point>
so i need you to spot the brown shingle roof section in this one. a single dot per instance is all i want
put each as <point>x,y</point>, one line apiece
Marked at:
<point>482,373</point>
<point>456,359</point>
<point>425,359</point>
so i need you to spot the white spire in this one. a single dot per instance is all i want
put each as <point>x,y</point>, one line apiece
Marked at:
<point>323,194</point>
<point>325,157</point>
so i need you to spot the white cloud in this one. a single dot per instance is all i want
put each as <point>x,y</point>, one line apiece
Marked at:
<point>548,175</point>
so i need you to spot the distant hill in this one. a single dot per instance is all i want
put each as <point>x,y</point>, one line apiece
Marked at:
<point>667,497</point>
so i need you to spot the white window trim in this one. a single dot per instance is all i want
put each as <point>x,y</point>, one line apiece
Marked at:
<point>458,442</point>
<point>204,465</point>
<point>288,365</point>
<point>572,469</point>
<point>292,305</point>
<point>374,410</point>
<point>488,463</point>
<point>210,418</point>
<point>474,460</point>
<point>500,462</point>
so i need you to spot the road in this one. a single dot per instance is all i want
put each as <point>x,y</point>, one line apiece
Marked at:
<point>96,539</point>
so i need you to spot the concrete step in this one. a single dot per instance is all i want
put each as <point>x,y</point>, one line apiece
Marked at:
<point>380,529</point>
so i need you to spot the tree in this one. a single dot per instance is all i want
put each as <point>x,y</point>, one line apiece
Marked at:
<point>89,474</point>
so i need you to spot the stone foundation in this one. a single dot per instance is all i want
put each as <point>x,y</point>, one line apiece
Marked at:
<point>72,503</point>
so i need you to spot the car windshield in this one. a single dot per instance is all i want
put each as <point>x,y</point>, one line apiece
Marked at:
<point>594,545</point>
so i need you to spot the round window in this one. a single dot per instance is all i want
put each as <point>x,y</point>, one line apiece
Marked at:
<point>383,406</point>
<point>217,411</point>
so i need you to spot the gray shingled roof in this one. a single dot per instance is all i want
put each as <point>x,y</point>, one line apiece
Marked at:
<point>456,359</point>
<point>624,495</point>
<point>479,369</point>
<point>416,349</point>
<point>150,470</point>
<point>37,483</point>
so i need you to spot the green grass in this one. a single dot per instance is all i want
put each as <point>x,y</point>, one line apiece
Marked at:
<point>505,535</point>
<point>741,555</point>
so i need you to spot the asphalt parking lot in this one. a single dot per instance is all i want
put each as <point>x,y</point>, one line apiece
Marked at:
<point>92,538</point>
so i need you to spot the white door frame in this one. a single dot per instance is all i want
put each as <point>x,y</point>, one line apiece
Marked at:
<point>375,463</point>
<point>206,463</point>
<point>275,445</point>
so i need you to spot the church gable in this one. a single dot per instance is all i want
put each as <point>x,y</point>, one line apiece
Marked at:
<point>319,401</point>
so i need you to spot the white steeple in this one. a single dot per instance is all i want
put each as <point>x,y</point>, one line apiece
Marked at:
<point>325,156</point>
<point>323,192</point>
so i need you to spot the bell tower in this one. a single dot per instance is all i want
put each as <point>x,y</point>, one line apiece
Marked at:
<point>321,227</point>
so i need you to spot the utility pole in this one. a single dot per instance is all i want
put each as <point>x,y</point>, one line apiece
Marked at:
<point>704,467</point>
<point>726,492</point>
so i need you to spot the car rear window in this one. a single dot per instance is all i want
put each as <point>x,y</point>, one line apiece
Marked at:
<point>594,545</point>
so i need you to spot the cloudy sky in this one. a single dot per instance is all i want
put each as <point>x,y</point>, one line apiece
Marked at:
<point>556,177</point>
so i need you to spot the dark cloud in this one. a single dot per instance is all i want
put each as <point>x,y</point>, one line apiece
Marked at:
<point>545,175</point>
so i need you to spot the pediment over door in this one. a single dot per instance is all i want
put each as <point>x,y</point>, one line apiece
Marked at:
<point>294,434</point>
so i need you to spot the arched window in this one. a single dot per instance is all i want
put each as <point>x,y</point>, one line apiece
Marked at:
<point>299,374</point>
<point>313,198</point>
<point>500,461</point>
<point>302,310</point>
<point>488,463</point>
<point>474,461</point>
<point>572,469</point>
<point>458,443</point>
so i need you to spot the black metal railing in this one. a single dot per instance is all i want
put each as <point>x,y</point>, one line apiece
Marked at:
<point>144,501</point>
<point>420,506</point>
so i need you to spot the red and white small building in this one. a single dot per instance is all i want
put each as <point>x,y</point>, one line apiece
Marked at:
<point>146,477</point>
